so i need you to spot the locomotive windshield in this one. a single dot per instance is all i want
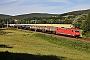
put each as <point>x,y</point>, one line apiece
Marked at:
<point>76,30</point>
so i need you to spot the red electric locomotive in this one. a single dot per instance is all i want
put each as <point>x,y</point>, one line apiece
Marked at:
<point>68,31</point>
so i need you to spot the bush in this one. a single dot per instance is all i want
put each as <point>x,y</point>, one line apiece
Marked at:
<point>1,32</point>
<point>87,34</point>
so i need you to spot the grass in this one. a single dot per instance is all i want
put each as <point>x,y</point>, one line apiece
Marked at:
<point>37,44</point>
<point>75,44</point>
<point>2,32</point>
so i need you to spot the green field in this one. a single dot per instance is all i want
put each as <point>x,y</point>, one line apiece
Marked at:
<point>28,45</point>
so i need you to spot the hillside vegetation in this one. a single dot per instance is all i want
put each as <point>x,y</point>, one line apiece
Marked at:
<point>77,12</point>
<point>43,18</point>
<point>4,16</point>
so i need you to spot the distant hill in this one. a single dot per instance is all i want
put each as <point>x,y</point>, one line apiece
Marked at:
<point>5,16</point>
<point>45,14</point>
<point>35,15</point>
<point>76,12</point>
<point>43,18</point>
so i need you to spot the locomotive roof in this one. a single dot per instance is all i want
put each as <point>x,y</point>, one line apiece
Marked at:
<point>70,28</point>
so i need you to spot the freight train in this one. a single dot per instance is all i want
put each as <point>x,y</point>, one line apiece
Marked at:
<point>74,32</point>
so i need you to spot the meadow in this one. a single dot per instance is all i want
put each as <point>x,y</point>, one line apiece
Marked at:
<point>29,45</point>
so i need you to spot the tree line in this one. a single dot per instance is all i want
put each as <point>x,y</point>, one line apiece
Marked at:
<point>78,21</point>
<point>39,20</point>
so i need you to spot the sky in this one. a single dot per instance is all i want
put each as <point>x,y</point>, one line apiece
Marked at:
<point>18,7</point>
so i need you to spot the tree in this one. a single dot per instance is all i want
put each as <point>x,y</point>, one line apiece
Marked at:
<point>1,25</point>
<point>77,23</point>
<point>86,24</point>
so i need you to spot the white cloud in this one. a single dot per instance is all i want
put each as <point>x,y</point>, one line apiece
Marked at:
<point>6,1</point>
<point>57,0</point>
<point>40,8</point>
<point>80,0</point>
<point>63,1</point>
<point>36,8</point>
<point>16,8</point>
<point>20,2</point>
<point>81,7</point>
<point>76,8</point>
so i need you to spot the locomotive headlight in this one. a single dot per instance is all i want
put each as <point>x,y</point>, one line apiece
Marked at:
<point>77,33</point>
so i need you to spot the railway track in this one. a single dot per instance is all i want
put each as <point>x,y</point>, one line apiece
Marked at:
<point>50,30</point>
<point>86,39</point>
<point>79,38</point>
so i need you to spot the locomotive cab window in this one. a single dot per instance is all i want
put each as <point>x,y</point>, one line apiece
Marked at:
<point>76,30</point>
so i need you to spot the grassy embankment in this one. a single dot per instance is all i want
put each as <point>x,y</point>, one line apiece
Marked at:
<point>37,44</point>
